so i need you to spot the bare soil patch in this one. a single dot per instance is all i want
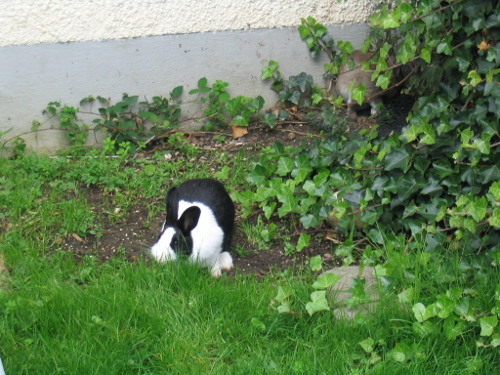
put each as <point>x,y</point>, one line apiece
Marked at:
<point>130,237</point>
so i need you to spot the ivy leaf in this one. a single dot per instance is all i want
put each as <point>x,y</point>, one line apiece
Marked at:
<point>318,302</point>
<point>483,145</point>
<point>284,292</point>
<point>289,203</point>
<point>411,133</point>
<point>477,208</point>
<point>495,190</point>
<point>444,306</point>
<point>452,329</point>
<point>495,340</point>
<point>309,221</point>
<point>425,54</point>
<point>406,12</point>
<point>258,175</point>
<point>391,21</point>
<point>304,30</point>
<point>494,219</point>
<point>430,136</point>
<point>303,168</point>
<point>397,159</point>
<point>475,78</point>
<point>326,280</point>
<point>383,80</point>
<point>423,313</point>
<point>284,307</point>
<point>444,47</point>
<point>315,263</point>
<point>304,241</point>
<point>269,209</point>
<point>488,323</point>
<point>285,166</point>
<point>358,94</point>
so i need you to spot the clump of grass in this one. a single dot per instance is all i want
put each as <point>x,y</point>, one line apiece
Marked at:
<point>117,317</point>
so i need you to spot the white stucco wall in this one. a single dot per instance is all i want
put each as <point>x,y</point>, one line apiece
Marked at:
<point>54,21</point>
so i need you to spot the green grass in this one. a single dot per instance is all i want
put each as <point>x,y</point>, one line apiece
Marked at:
<point>58,316</point>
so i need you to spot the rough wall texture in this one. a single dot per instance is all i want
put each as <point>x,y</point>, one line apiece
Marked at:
<point>53,21</point>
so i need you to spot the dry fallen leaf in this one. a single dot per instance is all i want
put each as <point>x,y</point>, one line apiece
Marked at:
<point>239,131</point>
<point>483,46</point>
<point>76,237</point>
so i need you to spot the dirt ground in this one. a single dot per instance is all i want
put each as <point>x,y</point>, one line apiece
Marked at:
<point>130,238</point>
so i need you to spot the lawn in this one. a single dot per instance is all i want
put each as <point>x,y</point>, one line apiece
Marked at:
<point>69,313</point>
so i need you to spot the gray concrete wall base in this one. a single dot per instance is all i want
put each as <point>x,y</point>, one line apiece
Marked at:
<point>31,76</point>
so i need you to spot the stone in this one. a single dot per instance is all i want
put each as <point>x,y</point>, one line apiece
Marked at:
<point>339,293</point>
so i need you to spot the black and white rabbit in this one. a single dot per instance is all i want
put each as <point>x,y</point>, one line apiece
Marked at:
<point>199,224</point>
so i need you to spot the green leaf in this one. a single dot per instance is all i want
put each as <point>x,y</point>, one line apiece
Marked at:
<point>258,175</point>
<point>425,54</point>
<point>223,174</point>
<point>289,203</point>
<point>411,133</point>
<point>475,78</point>
<point>176,92</point>
<point>285,166</point>
<point>304,30</point>
<point>488,323</point>
<point>444,307</point>
<point>495,190</point>
<point>452,329</point>
<point>367,345</point>
<point>284,292</point>
<point>202,83</point>
<point>304,241</point>
<point>401,352</point>
<point>384,80</point>
<point>391,21</point>
<point>309,221</point>
<point>494,219</point>
<point>303,168</point>
<point>423,313</point>
<point>477,208</point>
<point>315,263</point>
<point>358,94</point>
<point>406,12</point>
<point>318,302</point>
<point>326,280</point>
<point>397,159</point>
<point>495,340</point>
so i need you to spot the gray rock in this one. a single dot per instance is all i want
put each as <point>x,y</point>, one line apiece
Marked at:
<point>339,293</point>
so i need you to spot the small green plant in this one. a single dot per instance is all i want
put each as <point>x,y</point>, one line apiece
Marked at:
<point>214,98</point>
<point>221,109</point>
<point>259,234</point>
<point>297,90</point>
<point>76,130</point>
<point>126,121</point>
<point>319,300</point>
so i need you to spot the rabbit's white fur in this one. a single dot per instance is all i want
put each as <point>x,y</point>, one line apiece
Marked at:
<point>207,241</point>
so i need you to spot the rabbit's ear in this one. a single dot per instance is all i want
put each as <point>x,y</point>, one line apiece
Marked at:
<point>189,219</point>
<point>172,206</point>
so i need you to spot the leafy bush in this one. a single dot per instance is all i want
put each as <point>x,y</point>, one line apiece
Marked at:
<point>127,123</point>
<point>438,180</point>
<point>434,188</point>
<point>221,109</point>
